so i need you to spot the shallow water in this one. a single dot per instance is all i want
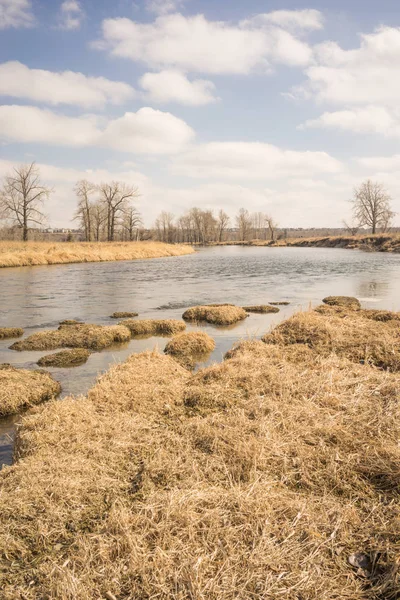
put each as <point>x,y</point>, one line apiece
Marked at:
<point>37,298</point>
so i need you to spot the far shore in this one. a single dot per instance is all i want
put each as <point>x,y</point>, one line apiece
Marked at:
<point>379,242</point>
<point>27,254</point>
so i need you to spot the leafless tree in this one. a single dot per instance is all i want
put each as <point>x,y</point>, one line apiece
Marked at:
<point>115,197</point>
<point>22,197</point>
<point>272,225</point>
<point>243,223</point>
<point>98,216</point>
<point>372,205</point>
<point>353,228</point>
<point>130,222</point>
<point>165,227</point>
<point>222,224</point>
<point>84,190</point>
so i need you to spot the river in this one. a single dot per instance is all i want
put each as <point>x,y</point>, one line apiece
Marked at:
<point>37,298</point>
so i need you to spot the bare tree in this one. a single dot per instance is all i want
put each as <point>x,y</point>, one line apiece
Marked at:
<point>84,189</point>
<point>272,225</point>
<point>98,216</point>
<point>22,197</point>
<point>243,223</point>
<point>371,205</point>
<point>131,221</point>
<point>165,227</point>
<point>352,227</point>
<point>222,224</point>
<point>115,197</point>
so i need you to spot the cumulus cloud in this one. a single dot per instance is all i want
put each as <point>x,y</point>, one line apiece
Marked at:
<point>16,13</point>
<point>66,87</point>
<point>174,86</point>
<point>292,20</point>
<point>195,44</point>
<point>162,7</point>
<point>71,15</point>
<point>252,161</point>
<point>380,163</point>
<point>371,119</point>
<point>147,131</point>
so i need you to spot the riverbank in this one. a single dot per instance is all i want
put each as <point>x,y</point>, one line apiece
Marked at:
<point>273,474</point>
<point>373,243</point>
<point>23,254</point>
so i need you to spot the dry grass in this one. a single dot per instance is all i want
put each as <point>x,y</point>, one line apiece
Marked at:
<point>190,348</point>
<point>20,389</point>
<point>261,309</point>
<point>255,478</point>
<point>344,301</point>
<point>19,254</point>
<point>124,315</point>
<point>10,332</point>
<point>217,314</point>
<point>281,303</point>
<point>93,337</point>
<point>65,358</point>
<point>71,322</point>
<point>152,327</point>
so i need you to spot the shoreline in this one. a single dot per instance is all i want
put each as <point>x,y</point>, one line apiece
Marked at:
<point>30,254</point>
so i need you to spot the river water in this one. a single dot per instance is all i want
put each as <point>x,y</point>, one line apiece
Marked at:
<point>37,298</point>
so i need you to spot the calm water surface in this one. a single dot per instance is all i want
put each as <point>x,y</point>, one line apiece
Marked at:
<point>37,298</point>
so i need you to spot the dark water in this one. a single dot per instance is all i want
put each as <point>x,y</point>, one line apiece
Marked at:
<point>37,298</point>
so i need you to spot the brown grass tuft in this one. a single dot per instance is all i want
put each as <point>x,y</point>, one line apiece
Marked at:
<point>220,314</point>
<point>65,358</point>
<point>261,309</point>
<point>124,315</point>
<point>20,389</point>
<point>152,327</point>
<point>93,337</point>
<point>345,301</point>
<point>190,348</point>
<point>10,332</point>
<point>70,322</point>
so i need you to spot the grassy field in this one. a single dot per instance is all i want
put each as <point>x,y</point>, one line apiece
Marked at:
<point>274,474</point>
<point>22,254</point>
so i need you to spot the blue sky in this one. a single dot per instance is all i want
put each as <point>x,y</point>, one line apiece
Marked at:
<point>280,107</point>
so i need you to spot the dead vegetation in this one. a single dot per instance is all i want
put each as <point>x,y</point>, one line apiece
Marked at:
<point>93,337</point>
<point>261,477</point>
<point>65,358</point>
<point>261,309</point>
<point>23,254</point>
<point>124,315</point>
<point>10,332</point>
<point>20,389</point>
<point>70,322</point>
<point>190,348</point>
<point>216,314</point>
<point>344,301</point>
<point>154,327</point>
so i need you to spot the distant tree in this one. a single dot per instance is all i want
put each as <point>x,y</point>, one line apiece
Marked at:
<point>372,206</point>
<point>165,227</point>
<point>115,196</point>
<point>84,190</point>
<point>272,225</point>
<point>98,216</point>
<point>222,224</point>
<point>22,197</point>
<point>353,228</point>
<point>243,223</point>
<point>130,222</point>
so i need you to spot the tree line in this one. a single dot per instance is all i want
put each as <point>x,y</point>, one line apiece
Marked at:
<point>106,212</point>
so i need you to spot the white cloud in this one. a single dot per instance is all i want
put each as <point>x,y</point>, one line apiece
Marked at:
<point>16,13</point>
<point>71,15</point>
<point>162,7</point>
<point>198,45</point>
<point>380,163</point>
<point>371,119</point>
<point>147,131</point>
<point>174,86</point>
<point>66,87</point>
<point>252,161</point>
<point>292,20</point>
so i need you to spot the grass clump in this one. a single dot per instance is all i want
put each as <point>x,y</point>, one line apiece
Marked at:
<point>220,314</point>
<point>189,348</point>
<point>124,315</point>
<point>65,358</point>
<point>154,327</point>
<point>93,337</point>
<point>281,303</point>
<point>71,322</point>
<point>10,332</point>
<point>20,389</point>
<point>344,301</point>
<point>261,309</point>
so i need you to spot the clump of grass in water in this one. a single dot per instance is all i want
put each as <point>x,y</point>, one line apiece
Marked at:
<point>261,309</point>
<point>216,314</point>
<point>21,388</point>
<point>151,327</point>
<point>124,315</point>
<point>65,358</point>
<point>10,332</point>
<point>189,348</point>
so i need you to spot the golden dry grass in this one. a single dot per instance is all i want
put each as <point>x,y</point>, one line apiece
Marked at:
<point>22,254</point>
<point>65,358</point>
<point>190,348</point>
<point>256,478</point>
<point>93,337</point>
<point>20,389</point>
<point>10,332</point>
<point>261,309</point>
<point>216,314</point>
<point>344,301</point>
<point>124,315</point>
<point>152,327</point>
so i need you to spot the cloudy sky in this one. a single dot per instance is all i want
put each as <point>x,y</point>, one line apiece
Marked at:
<point>280,107</point>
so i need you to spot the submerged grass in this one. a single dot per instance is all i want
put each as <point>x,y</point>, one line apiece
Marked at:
<point>216,314</point>
<point>261,309</point>
<point>93,337</point>
<point>20,389</point>
<point>255,478</point>
<point>65,358</point>
<point>18,254</point>
<point>10,332</point>
<point>124,315</point>
<point>151,327</point>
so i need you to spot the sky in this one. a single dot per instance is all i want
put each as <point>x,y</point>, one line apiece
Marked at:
<point>282,107</point>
